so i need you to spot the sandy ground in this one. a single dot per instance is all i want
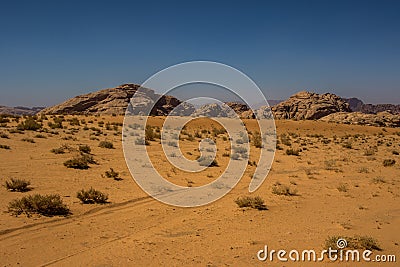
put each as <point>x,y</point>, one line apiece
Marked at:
<point>136,230</point>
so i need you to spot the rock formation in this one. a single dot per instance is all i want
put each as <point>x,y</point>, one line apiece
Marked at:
<point>114,101</point>
<point>381,119</point>
<point>309,106</point>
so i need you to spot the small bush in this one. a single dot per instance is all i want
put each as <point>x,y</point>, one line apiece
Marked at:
<point>292,152</point>
<point>29,140</point>
<point>112,174</point>
<point>4,135</point>
<point>378,180</point>
<point>395,152</point>
<point>5,147</point>
<point>106,144</point>
<point>40,136</point>
<point>59,150</point>
<point>149,133</point>
<point>389,162</point>
<point>92,196</point>
<point>356,242</point>
<point>29,124</point>
<point>46,205</point>
<point>140,141</point>
<point>85,149</point>
<point>207,161</point>
<point>280,189</point>
<point>342,188</point>
<point>251,202</point>
<point>17,185</point>
<point>79,163</point>
<point>257,140</point>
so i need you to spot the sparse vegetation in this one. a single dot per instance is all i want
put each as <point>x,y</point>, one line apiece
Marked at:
<point>112,174</point>
<point>356,242</point>
<point>80,162</point>
<point>293,152</point>
<point>28,140</point>
<point>5,147</point>
<point>46,205</point>
<point>388,162</point>
<point>85,149</point>
<point>92,196</point>
<point>251,202</point>
<point>378,180</point>
<point>29,124</point>
<point>342,188</point>
<point>281,189</point>
<point>257,140</point>
<point>106,144</point>
<point>17,185</point>
<point>4,135</point>
<point>207,161</point>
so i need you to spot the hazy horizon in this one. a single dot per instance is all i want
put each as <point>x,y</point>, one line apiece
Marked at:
<point>52,51</point>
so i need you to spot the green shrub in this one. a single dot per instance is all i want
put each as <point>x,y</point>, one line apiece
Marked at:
<point>29,124</point>
<point>251,202</point>
<point>17,185</point>
<point>106,144</point>
<point>389,162</point>
<point>92,196</point>
<point>46,205</point>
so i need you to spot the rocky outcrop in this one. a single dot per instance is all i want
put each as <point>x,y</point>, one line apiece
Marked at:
<point>381,119</point>
<point>357,105</point>
<point>214,110</point>
<point>115,101</point>
<point>309,106</point>
<point>19,110</point>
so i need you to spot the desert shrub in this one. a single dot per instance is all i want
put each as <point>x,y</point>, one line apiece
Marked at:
<point>18,185</point>
<point>85,149</point>
<point>342,188</point>
<point>29,124</point>
<point>280,189</point>
<point>40,136</point>
<point>207,161</point>
<point>347,145</point>
<point>251,202</point>
<point>112,174</point>
<point>59,150</point>
<point>292,152</point>
<point>378,180</point>
<point>257,140</point>
<point>389,162</point>
<point>395,152</point>
<point>4,119</point>
<point>140,141</point>
<point>106,144</point>
<point>4,135</point>
<point>198,135</point>
<point>149,133</point>
<point>81,162</point>
<point>29,140</point>
<point>92,196</point>
<point>74,122</point>
<point>235,156</point>
<point>57,123</point>
<point>356,242</point>
<point>240,150</point>
<point>226,154</point>
<point>172,143</point>
<point>46,205</point>
<point>5,147</point>
<point>285,139</point>
<point>369,152</point>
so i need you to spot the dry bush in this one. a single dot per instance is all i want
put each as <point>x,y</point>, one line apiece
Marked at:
<point>85,149</point>
<point>356,242</point>
<point>5,147</point>
<point>207,161</point>
<point>388,162</point>
<point>46,205</point>
<point>293,152</point>
<point>112,174</point>
<point>29,124</point>
<point>281,189</point>
<point>17,185</point>
<point>28,140</point>
<point>92,196</point>
<point>251,202</point>
<point>106,144</point>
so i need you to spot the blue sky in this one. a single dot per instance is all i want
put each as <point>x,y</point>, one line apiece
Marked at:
<point>53,50</point>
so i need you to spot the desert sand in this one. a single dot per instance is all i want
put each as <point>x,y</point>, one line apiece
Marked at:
<point>338,185</point>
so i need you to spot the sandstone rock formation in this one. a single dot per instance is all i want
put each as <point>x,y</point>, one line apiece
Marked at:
<point>114,101</point>
<point>214,110</point>
<point>358,105</point>
<point>381,119</point>
<point>241,109</point>
<point>310,106</point>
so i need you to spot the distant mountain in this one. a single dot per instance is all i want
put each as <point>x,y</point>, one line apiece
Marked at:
<point>357,105</point>
<point>19,110</point>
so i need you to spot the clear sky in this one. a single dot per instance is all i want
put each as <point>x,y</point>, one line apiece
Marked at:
<point>53,50</point>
